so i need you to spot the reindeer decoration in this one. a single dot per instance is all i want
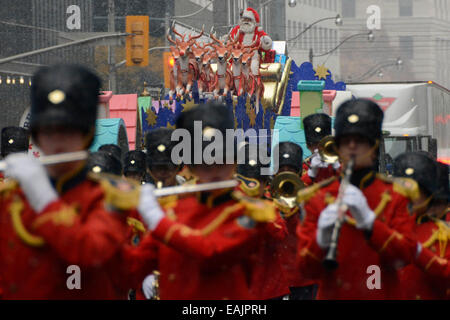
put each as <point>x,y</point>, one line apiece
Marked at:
<point>241,80</point>
<point>186,63</point>
<point>224,78</point>
<point>204,78</point>
<point>234,74</point>
<point>174,74</point>
<point>207,75</point>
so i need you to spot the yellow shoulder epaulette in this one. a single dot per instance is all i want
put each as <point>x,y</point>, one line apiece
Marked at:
<point>248,185</point>
<point>407,187</point>
<point>307,193</point>
<point>385,178</point>
<point>442,234</point>
<point>120,193</point>
<point>258,209</point>
<point>8,185</point>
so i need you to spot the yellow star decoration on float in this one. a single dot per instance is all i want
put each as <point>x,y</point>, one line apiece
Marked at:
<point>321,72</point>
<point>170,126</point>
<point>250,113</point>
<point>151,117</point>
<point>188,105</point>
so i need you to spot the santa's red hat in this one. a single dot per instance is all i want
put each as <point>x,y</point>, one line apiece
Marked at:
<point>251,14</point>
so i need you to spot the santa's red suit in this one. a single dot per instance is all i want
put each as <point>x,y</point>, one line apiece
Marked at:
<point>248,32</point>
<point>248,38</point>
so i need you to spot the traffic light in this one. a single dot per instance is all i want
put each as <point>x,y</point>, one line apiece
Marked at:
<point>138,43</point>
<point>168,63</point>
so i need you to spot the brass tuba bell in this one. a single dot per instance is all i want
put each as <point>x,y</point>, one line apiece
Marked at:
<point>285,186</point>
<point>327,150</point>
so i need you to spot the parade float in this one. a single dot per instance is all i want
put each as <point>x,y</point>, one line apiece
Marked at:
<point>276,97</point>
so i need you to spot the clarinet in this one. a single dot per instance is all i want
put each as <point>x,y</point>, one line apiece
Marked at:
<point>330,261</point>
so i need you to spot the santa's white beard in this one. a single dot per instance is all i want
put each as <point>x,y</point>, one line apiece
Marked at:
<point>247,27</point>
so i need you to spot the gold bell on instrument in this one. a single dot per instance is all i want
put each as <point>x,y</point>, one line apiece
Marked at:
<point>285,186</point>
<point>327,150</point>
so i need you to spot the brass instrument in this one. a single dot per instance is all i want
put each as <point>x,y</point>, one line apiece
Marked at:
<point>285,186</point>
<point>327,150</point>
<point>330,261</point>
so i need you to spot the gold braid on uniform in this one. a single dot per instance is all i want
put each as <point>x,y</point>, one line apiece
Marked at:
<point>15,209</point>
<point>126,198</point>
<point>442,234</point>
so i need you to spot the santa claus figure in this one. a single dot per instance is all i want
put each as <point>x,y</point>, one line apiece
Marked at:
<point>248,31</point>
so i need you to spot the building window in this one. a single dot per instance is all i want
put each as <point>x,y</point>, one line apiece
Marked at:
<point>405,8</point>
<point>348,8</point>
<point>406,46</point>
<point>320,3</point>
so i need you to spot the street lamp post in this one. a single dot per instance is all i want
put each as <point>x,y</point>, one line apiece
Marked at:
<point>378,68</point>
<point>370,38</point>
<point>337,20</point>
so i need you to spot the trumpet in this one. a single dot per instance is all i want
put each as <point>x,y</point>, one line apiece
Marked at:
<point>160,192</point>
<point>327,150</point>
<point>330,261</point>
<point>285,187</point>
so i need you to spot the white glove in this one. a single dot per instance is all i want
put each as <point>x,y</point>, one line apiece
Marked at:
<point>33,179</point>
<point>325,225</point>
<point>357,203</point>
<point>266,43</point>
<point>316,164</point>
<point>336,165</point>
<point>149,208</point>
<point>148,286</point>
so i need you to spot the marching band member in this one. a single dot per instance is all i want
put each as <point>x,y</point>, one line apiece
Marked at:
<point>13,140</point>
<point>104,162</point>
<point>290,158</point>
<point>56,220</point>
<point>317,126</point>
<point>431,232</point>
<point>162,172</point>
<point>134,165</point>
<point>375,238</point>
<point>252,182</point>
<point>114,151</point>
<point>160,166</point>
<point>268,279</point>
<point>202,253</point>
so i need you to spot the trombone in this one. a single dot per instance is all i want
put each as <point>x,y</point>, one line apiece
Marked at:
<point>327,150</point>
<point>285,186</point>
<point>161,192</point>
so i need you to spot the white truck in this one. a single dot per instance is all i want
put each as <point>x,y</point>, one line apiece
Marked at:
<point>416,117</point>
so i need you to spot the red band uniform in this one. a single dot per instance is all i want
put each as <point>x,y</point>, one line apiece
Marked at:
<point>377,228</point>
